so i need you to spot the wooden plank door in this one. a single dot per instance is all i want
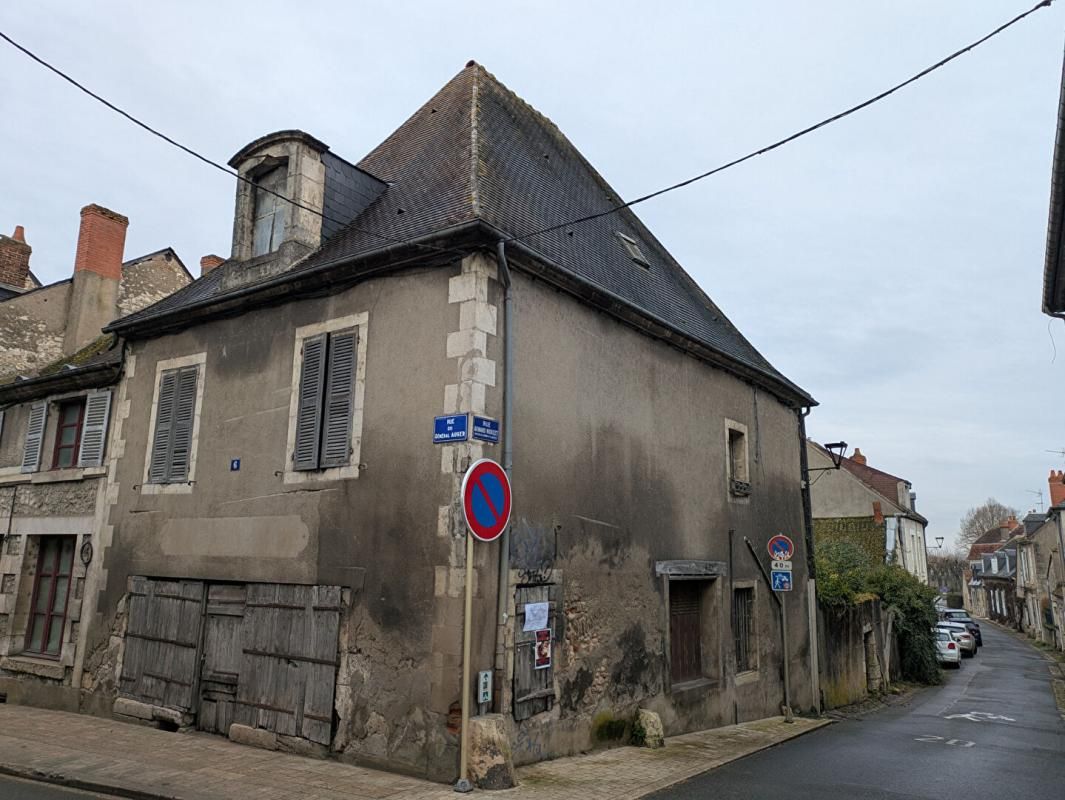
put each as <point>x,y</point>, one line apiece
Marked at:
<point>534,689</point>
<point>222,656</point>
<point>161,659</point>
<point>288,668</point>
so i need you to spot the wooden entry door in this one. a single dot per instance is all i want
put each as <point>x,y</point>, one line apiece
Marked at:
<point>222,654</point>
<point>160,664</point>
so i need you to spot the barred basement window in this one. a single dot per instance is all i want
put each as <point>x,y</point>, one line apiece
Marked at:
<point>326,401</point>
<point>743,628</point>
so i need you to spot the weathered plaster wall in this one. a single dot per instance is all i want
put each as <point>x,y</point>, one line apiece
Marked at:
<point>13,436</point>
<point>148,280</point>
<point>380,534</point>
<point>31,329</point>
<point>849,664</point>
<point>620,461</point>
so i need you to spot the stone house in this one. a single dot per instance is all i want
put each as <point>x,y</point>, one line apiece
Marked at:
<point>57,374</point>
<point>987,543</point>
<point>284,545</point>
<point>1040,571</point>
<point>998,576</point>
<point>867,505</point>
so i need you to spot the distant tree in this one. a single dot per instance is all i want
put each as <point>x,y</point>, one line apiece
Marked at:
<point>979,520</point>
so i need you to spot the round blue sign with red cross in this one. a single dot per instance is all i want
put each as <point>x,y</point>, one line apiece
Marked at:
<point>781,548</point>
<point>486,499</point>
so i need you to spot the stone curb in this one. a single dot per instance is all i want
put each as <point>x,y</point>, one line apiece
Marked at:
<point>56,779</point>
<point>665,783</point>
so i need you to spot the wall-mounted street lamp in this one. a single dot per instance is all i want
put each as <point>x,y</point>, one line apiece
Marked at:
<point>836,451</point>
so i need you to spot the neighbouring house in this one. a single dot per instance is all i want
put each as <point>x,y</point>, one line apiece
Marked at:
<point>946,574</point>
<point>998,575</point>
<point>57,375</point>
<point>283,545</point>
<point>869,506</point>
<point>1041,573</point>
<point>988,542</point>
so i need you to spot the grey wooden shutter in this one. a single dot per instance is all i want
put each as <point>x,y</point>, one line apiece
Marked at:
<point>340,392</point>
<point>164,421</point>
<point>181,430</point>
<point>309,411</point>
<point>94,429</point>
<point>31,451</point>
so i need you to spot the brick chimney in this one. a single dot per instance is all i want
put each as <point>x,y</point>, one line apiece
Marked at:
<point>1057,487</point>
<point>858,457</point>
<point>15,259</point>
<point>97,272</point>
<point>207,263</point>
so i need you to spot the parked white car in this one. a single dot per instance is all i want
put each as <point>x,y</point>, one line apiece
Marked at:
<point>966,641</point>
<point>947,651</point>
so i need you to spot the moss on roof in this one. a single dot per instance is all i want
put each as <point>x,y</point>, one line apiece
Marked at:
<point>94,351</point>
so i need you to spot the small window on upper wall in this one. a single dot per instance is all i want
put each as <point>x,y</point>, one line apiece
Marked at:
<point>268,214</point>
<point>739,478</point>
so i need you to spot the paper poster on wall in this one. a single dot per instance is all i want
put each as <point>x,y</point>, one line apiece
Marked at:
<point>542,657</point>
<point>535,616</point>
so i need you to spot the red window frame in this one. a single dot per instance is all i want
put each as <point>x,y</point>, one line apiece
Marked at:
<point>61,425</point>
<point>50,558</point>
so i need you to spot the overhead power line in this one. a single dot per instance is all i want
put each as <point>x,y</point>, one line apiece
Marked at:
<point>792,137</point>
<point>570,223</point>
<point>210,162</point>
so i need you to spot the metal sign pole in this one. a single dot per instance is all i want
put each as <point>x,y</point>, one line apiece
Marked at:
<point>463,784</point>
<point>787,656</point>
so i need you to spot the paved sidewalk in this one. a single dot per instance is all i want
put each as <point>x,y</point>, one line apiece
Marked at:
<point>141,762</point>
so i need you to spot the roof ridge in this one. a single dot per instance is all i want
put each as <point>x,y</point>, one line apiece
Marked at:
<point>475,159</point>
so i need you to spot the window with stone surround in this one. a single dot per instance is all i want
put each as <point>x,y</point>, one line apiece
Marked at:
<point>739,476</point>
<point>51,589</point>
<point>269,211</point>
<point>325,414</point>
<point>174,424</point>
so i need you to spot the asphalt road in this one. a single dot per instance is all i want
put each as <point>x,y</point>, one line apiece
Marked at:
<point>16,789</point>
<point>991,730</point>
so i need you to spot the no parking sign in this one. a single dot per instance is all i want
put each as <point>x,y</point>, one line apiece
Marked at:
<point>486,499</point>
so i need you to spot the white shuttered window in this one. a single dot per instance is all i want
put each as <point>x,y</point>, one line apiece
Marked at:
<point>326,401</point>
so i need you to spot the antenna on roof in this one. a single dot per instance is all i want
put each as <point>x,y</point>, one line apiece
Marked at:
<point>1038,492</point>
<point>1058,452</point>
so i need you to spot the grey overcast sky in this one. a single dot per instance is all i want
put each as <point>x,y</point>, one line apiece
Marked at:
<point>890,264</point>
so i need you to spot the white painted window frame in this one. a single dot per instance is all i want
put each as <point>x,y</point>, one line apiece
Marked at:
<point>198,360</point>
<point>360,322</point>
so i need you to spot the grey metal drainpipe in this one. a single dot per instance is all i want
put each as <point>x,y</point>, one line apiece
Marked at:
<point>503,598</point>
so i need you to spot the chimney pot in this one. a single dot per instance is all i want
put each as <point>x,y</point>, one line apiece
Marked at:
<point>101,242</point>
<point>858,457</point>
<point>1056,482</point>
<point>15,259</point>
<point>209,262</point>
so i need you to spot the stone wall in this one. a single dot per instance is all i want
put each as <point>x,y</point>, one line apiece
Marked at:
<point>865,532</point>
<point>148,280</point>
<point>859,652</point>
<point>32,326</point>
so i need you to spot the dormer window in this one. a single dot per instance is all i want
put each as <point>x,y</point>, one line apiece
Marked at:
<point>268,227</point>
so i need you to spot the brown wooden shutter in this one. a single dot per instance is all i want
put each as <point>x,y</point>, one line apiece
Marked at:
<point>685,630</point>
<point>181,430</point>
<point>339,397</point>
<point>164,420</point>
<point>309,412</point>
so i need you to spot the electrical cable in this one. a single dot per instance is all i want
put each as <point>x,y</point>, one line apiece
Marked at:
<point>792,137</point>
<point>210,162</point>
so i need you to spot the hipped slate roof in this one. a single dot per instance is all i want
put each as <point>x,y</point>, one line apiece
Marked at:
<point>477,153</point>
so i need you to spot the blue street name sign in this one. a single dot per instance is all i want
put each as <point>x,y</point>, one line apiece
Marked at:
<point>455,428</point>
<point>486,429</point>
<point>781,580</point>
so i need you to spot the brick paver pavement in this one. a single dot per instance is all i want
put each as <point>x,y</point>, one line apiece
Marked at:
<point>138,761</point>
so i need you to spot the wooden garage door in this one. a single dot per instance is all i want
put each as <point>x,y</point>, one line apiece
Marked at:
<point>159,665</point>
<point>289,661</point>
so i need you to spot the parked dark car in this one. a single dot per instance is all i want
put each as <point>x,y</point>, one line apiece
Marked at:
<point>962,616</point>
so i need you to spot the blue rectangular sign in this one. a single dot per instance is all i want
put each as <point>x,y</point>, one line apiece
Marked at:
<point>781,580</point>
<point>486,429</point>
<point>455,428</point>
